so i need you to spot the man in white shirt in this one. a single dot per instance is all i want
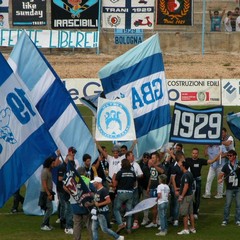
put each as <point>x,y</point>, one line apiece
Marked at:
<point>238,24</point>
<point>227,22</point>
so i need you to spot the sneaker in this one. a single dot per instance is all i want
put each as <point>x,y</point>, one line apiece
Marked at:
<point>14,211</point>
<point>218,196</point>
<point>238,223</point>
<point>120,238</point>
<point>46,228</point>
<point>175,223</point>
<point>161,233</point>
<point>192,230</point>
<point>195,216</point>
<point>151,224</point>
<point>68,231</point>
<point>183,232</point>
<point>58,220</point>
<point>206,196</point>
<point>135,225</point>
<point>120,228</point>
<point>159,228</point>
<point>144,222</point>
<point>224,223</point>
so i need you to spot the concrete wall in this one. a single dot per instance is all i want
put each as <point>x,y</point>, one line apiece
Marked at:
<point>176,38</point>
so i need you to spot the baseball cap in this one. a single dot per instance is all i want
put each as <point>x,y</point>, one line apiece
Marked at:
<point>72,149</point>
<point>96,179</point>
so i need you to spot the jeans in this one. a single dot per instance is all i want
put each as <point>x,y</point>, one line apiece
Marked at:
<point>102,221</point>
<point>211,175</point>
<point>229,197</point>
<point>197,196</point>
<point>162,213</point>
<point>79,221</point>
<point>48,213</point>
<point>127,198</point>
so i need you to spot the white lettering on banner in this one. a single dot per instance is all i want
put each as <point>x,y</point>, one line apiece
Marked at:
<point>51,38</point>
<point>75,23</point>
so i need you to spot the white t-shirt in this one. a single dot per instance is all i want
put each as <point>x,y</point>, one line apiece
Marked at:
<point>227,24</point>
<point>237,24</point>
<point>231,146</point>
<point>113,164</point>
<point>164,190</point>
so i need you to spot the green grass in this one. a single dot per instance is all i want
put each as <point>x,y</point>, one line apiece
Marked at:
<point>21,227</point>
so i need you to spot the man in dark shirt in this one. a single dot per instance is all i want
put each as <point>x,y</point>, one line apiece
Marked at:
<point>196,164</point>
<point>124,181</point>
<point>231,174</point>
<point>186,199</point>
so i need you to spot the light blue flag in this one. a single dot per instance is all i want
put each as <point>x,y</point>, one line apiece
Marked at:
<point>51,99</point>
<point>139,74</point>
<point>233,120</point>
<point>25,142</point>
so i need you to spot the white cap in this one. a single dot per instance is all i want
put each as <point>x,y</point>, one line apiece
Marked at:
<point>96,179</point>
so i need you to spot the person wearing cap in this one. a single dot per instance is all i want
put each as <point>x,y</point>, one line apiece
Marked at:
<point>163,191</point>
<point>143,184</point>
<point>66,215</point>
<point>101,202</point>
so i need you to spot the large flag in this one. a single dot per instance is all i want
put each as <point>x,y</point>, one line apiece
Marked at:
<point>24,139</point>
<point>198,126</point>
<point>115,120</point>
<point>52,99</point>
<point>139,74</point>
<point>233,120</point>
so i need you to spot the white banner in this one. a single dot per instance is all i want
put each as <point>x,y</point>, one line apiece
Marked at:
<point>194,91</point>
<point>143,205</point>
<point>51,38</point>
<point>230,92</point>
<point>115,120</point>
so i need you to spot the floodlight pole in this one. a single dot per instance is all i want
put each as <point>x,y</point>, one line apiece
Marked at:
<point>99,25</point>
<point>203,25</point>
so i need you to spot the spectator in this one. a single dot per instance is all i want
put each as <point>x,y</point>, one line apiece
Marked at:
<point>235,15</point>
<point>91,171</point>
<point>125,181</point>
<point>156,169</point>
<point>238,24</point>
<point>47,194</point>
<point>143,184</point>
<point>214,170</point>
<point>186,199</point>
<point>216,19</point>
<point>163,191</point>
<point>227,140</point>
<point>231,174</point>
<point>17,198</point>
<point>196,164</point>
<point>101,201</point>
<point>227,22</point>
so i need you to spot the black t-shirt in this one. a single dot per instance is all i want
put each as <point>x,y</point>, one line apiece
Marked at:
<point>103,165</point>
<point>126,179</point>
<point>62,169</point>
<point>154,176</point>
<point>196,166</point>
<point>89,172</point>
<point>143,182</point>
<point>178,174</point>
<point>232,174</point>
<point>187,177</point>
<point>100,196</point>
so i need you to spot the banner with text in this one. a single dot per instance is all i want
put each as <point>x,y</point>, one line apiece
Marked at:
<point>29,13</point>
<point>74,14</point>
<point>135,14</point>
<point>4,22</point>
<point>51,38</point>
<point>198,126</point>
<point>186,91</point>
<point>171,12</point>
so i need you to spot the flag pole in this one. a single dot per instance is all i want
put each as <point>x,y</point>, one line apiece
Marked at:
<point>203,25</point>
<point>99,25</point>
